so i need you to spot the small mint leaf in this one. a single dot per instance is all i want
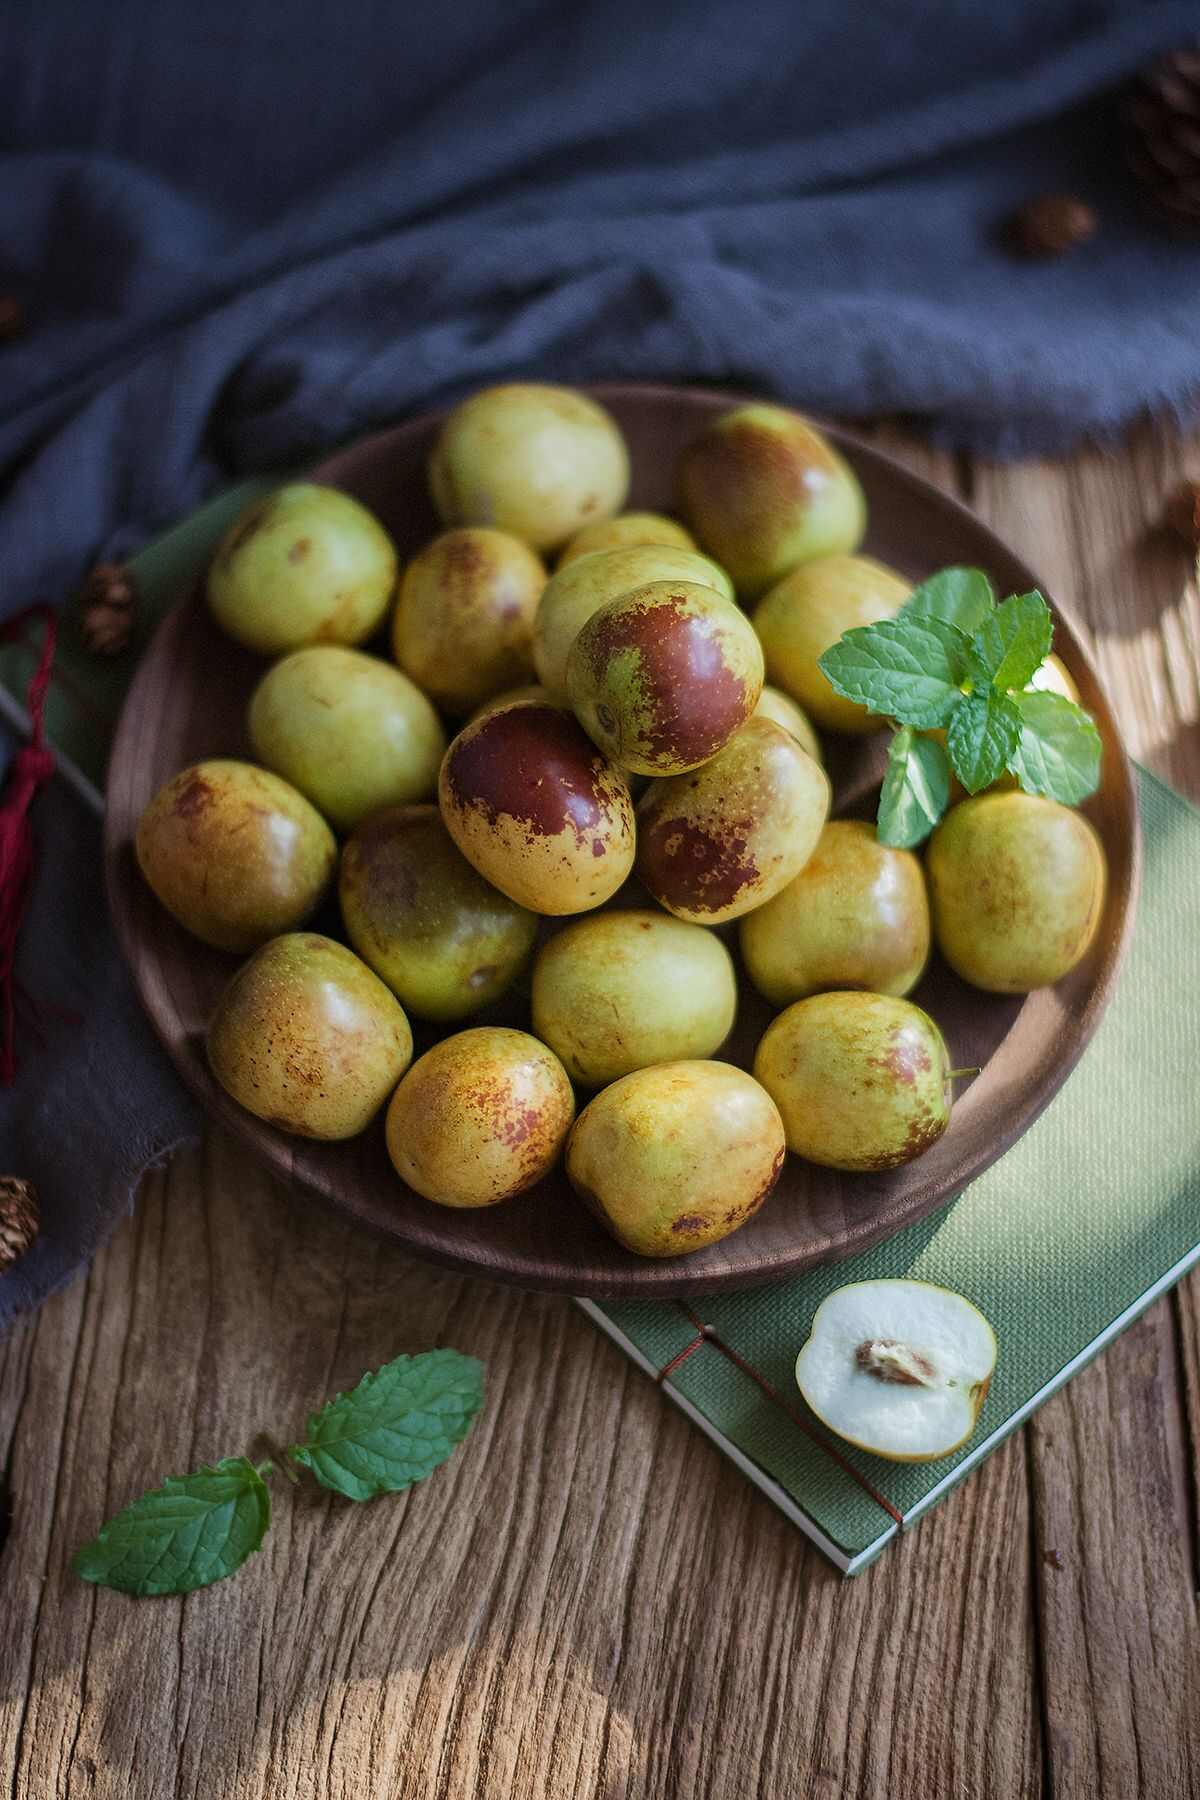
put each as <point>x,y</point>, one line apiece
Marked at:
<point>395,1427</point>
<point>983,734</point>
<point>1058,752</point>
<point>1012,643</point>
<point>909,669</point>
<point>915,790</point>
<point>961,597</point>
<point>186,1534</point>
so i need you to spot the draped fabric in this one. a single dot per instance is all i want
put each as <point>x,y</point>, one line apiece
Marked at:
<point>244,233</point>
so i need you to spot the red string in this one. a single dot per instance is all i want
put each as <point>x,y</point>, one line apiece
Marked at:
<point>32,767</point>
<point>706,1335</point>
<point>703,1336</point>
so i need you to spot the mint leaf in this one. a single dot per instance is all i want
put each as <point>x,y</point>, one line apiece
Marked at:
<point>915,790</point>
<point>983,734</point>
<point>395,1427</point>
<point>909,669</point>
<point>1012,643</point>
<point>1058,752</point>
<point>191,1531</point>
<point>961,597</point>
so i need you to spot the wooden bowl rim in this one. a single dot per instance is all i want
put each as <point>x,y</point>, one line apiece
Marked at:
<point>649,1278</point>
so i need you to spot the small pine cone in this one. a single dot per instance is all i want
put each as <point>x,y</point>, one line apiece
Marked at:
<point>1160,112</point>
<point>18,1219</point>
<point>1182,513</point>
<point>108,600</point>
<point>1051,225</point>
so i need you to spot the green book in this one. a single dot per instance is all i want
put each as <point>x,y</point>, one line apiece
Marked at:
<point>1086,1221</point>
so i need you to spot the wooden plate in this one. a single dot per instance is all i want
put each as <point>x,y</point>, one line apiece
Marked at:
<point>188,701</point>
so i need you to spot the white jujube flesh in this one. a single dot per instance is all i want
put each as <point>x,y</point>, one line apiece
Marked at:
<point>897,1367</point>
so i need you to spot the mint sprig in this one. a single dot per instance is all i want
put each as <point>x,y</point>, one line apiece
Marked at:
<point>393,1429</point>
<point>186,1534</point>
<point>1012,643</point>
<point>953,658</point>
<point>916,788</point>
<point>909,668</point>
<point>961,597</point>
<point>1058,752</point>
<point>983,735</point>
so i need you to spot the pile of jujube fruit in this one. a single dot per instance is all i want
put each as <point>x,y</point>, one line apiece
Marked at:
<point>595,744</point>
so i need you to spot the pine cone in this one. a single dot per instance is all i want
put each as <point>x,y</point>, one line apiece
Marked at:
<point>108,599</point>
<point>18,1219</point>
<point>1161,113</point>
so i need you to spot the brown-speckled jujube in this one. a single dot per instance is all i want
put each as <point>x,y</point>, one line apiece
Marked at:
<point>446,941</point>
<point>856,916</point>
<point>1016,886</point>
<point>627,987</point>
<point>723,839</point>
<point>799,618</point>
<point>480,1117</point>
<point>536,808</point>
<point>526,457</point>
<point>764,490</point>
<point>663,676</point>
<point>235,853</point>
<point>306,1037</point>
<point>463,624</point>
<point>305,565</point>
<point>862,1080</point>
<point>675,1157</point>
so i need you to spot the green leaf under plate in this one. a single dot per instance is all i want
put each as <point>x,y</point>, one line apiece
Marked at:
<point>910,669</point>
<point>915,790</point>
<point>1012,643</point>
<point>960,596</point>
<point>395,1427</point>
<point>191,1531</point>
<point>1058,751</point>
<point>983,735</point>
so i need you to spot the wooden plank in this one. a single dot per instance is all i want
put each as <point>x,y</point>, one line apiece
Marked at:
<point>1187,1320</point>
<point>1116,1598</point>
<point>1114,1460</point>
<point>588,1600</point>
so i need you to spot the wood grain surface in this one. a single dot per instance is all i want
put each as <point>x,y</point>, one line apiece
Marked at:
<point>588,1600</point>
<point>188,701</point>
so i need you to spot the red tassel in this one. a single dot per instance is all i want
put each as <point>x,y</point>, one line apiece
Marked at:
<point>32,767</point>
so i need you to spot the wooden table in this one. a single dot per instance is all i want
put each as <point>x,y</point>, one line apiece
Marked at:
<point>588,1600</point>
